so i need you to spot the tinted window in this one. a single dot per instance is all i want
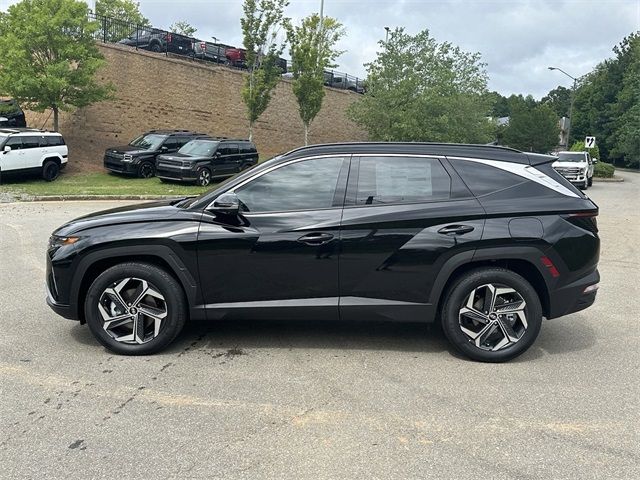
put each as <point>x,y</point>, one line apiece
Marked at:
<point>483,179</point>
<point>306,185</point>
<point>171,144</point>
<point>54,140</point>
<point>401,180</point>
<point>571,157</point>
<point>148,142</point>
<point>14,142</point>
<point>180,141</point>
<point>30,142</point>
<point>247,148</point>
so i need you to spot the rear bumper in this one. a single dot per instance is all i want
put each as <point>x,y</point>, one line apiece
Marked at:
<point>572,298</point>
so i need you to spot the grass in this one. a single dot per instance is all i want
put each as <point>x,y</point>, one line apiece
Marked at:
<point>95,183</point>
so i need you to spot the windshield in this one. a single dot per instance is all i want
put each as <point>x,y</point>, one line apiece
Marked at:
<point>571,157</point>
<point>148,142</point>
<point>199,148</point>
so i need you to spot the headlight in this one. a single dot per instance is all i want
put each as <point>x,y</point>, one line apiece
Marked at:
<point>127,157</point>
<point>56,242</point>
<point>186,164</point>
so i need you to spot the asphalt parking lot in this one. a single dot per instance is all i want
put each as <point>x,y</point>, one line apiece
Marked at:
<point>300,400</point>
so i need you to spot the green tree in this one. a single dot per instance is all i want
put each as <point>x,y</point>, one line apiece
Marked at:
<point>579,147</point>
<point>422,90</point>
<point>312,51</point>
<point>48,56</point>
<point>261,22</point>
<point>532,129</point>
<point>125,10</point>
<point>123,17</point>
<point>626,135</point>
<point>499,105</point>
<point>183,28</point>
<point>559,99</point>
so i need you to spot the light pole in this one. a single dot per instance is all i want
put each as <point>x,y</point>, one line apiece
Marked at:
<point>573,97</point>
<point>386,40</point>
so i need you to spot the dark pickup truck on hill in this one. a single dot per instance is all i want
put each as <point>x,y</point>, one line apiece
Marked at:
<point>157,40</point>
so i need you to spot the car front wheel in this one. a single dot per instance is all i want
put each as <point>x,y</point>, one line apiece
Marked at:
<point>491,315</point>
<point>135,308</point>
<point>146,170</point>
<point>204,177</point>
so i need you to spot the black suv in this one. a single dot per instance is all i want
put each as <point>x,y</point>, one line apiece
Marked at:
<point>202,159</point>
<point>485,239</point>
<point>139,157</point>
<point>11,115</point>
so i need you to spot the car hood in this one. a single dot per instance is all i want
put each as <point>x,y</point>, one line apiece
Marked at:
<point>569,164</point>
<point>127,149</point>
<point>145,212</point>
<point>183,157</point>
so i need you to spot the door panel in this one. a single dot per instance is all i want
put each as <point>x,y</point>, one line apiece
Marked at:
<point>392,253</point>
<point>267,263</point>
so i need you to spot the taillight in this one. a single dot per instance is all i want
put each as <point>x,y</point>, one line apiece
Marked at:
<point>169,37</point>
<point>585,220</point>
<point>203,47</point>
<point>546,261</point>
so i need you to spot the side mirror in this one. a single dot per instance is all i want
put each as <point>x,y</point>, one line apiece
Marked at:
<point>227,204</point>
<point>7,149</point>
<point>164,149</point>
<point>594,160</point>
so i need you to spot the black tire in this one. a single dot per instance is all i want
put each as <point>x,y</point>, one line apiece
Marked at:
<point>456,297</point>
<point>204,177</point>
<point>50,170</point>
<point>162,281</point>
<point>156,47</point>
<point>590,181</point>
<point>146,170</point>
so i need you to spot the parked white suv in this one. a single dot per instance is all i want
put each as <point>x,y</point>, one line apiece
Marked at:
<point>32,151</point>
<point>577,167</point>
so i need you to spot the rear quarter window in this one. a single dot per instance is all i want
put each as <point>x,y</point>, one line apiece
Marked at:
<point>484,179</point>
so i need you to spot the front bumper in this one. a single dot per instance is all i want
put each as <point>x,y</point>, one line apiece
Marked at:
<point>572,298</point>
<point>175,173</point>
<point>120,166</point>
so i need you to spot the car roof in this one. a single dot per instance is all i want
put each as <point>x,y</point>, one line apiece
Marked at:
<point>176,132</point>
<point>489,152</point>
<point>18,130</point>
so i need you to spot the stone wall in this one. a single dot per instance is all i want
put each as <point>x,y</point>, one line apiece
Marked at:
<point>154,91</point>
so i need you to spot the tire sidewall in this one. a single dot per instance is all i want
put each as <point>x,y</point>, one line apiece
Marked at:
<point>50,171</point>
<point>168,288</point>
<point>143,166</point>
<point>460,291</point>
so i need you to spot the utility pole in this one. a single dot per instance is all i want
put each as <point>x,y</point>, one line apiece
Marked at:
<point>573,97</point>
<point>386,39</point>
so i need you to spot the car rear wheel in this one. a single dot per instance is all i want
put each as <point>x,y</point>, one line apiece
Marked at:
<point>50,170</point>
<point>146,170</point>
<point>204,177</point>
<point>491,315</point>
<point>135,308</point>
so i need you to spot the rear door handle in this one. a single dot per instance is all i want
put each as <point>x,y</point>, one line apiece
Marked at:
<point>455,229</point>
<point>316,238</point>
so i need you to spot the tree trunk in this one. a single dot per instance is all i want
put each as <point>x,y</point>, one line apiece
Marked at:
<point>306,134</point>
<point>55,118</point>
<point>251,131</point>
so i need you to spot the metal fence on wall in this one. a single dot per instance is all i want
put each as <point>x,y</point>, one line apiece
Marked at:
<point>146,37</point>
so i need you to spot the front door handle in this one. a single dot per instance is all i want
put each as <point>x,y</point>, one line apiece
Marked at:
<point>455,229</point>
<point>316,238</point>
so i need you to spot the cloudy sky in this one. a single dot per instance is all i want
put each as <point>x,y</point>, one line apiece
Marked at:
<point>518,39</point>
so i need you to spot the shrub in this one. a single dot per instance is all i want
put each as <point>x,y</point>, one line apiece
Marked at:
<point>603,170</point>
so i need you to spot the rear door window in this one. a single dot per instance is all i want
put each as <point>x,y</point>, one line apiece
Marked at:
<point>30,142</point>
<point>392,180</point>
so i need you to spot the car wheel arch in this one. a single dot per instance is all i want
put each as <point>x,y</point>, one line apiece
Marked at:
<point>93,264</point>
<point>462,264</point>
<point>54,158</point>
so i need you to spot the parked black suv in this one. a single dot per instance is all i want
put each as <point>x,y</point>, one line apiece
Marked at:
<point>485,239</point>
<point>11,115</point>
<point>156,40</point>
<point>139,157</point>
<point>205,158</point>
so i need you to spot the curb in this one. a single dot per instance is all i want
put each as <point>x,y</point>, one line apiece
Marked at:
<point>614,179</point>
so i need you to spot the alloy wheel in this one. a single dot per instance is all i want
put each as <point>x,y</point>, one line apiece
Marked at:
<point>133,311</point>
<point>493,317</point>
<point>146,170</point>
<point>204,178</point>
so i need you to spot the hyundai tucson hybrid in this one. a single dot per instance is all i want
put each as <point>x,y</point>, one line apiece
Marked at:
<point>484,239</point>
